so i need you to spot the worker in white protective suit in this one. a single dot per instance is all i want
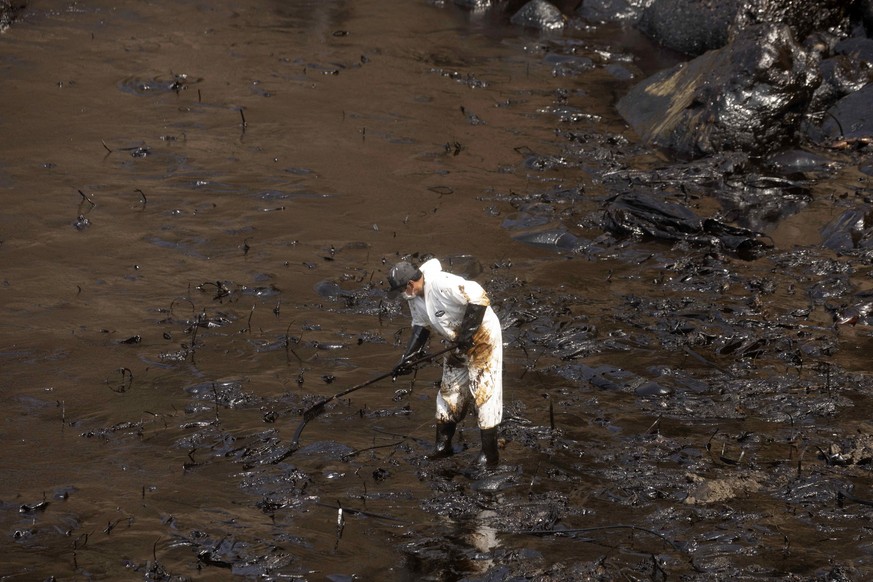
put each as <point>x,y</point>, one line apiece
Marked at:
<point>459,310</point>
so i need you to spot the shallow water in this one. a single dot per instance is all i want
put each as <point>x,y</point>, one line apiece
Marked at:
<point>200,200</point>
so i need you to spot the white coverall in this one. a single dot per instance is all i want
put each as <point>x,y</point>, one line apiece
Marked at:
<point>477,374</point>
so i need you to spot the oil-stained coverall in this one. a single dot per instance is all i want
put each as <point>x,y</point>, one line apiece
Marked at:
<point>459,310</point>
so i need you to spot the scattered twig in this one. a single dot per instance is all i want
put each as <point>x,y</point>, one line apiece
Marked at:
<point>215,396</point>
<point>552,415</point>
<point>844,496</point>
<point>126,381</point>
<point>288,347</point>
<point>173,304</point>
<point>197,320</point>
<point>340,524</point>
<point>360,512</point>
<point>249,323</point>
<point>85,199</point>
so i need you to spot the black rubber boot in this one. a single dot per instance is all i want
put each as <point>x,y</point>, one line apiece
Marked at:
<point>489,456</point>
<point>444,433</point>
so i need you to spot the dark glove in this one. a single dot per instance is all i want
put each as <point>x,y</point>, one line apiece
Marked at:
<point>401,370</point>
<point>456,359</point>
<point>470,324</point>
<point>420,335</point>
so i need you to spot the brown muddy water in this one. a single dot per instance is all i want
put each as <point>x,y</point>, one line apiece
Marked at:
<point>199,203</point>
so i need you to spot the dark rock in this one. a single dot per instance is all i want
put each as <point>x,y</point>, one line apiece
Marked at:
<point>8,12</point>
<point>613,10</point>
<point>791,162</point>
<point>859,48</point>
<point>643,215</point>
<point>846,67</point>
<point>539,14</point>
<point>802,17</point>
<point>652,389</point>
<point>695,26</point>
<point>473,3</point>
<point>568,65</point>
<point>851,118</point>
<point>748,96</point>
<point>689,26</point>
<point>556,238</point>
<point>840,76</point>
<point>853,229</point>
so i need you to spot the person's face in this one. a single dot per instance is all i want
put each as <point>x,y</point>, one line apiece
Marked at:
<point>414,289</point>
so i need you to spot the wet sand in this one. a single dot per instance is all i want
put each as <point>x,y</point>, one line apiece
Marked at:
<point>200,202</point>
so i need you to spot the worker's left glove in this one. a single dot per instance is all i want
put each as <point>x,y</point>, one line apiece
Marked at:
<point>470,324</point>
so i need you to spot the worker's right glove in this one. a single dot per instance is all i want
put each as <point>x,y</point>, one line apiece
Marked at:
<point>417,340</point>
<point>400,370</point>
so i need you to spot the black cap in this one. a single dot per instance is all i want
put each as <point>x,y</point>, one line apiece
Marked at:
<point>399,276</point>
